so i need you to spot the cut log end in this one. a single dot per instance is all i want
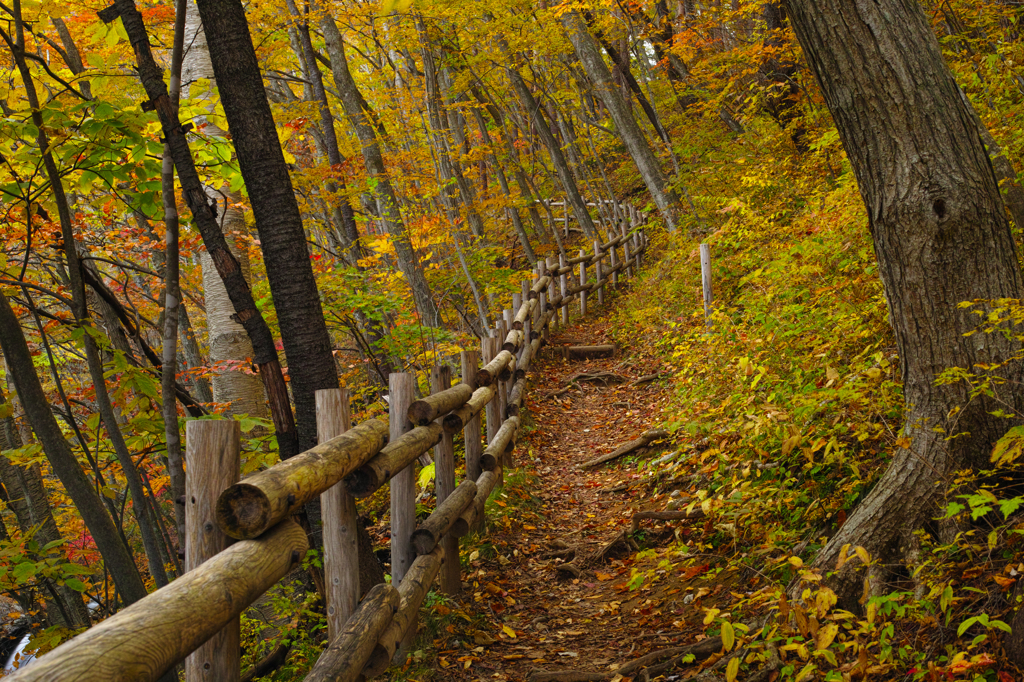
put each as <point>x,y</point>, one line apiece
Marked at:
<point>243,511</point>
<point>421,413</point>
<point>423,542</point>
<point>360,483</point>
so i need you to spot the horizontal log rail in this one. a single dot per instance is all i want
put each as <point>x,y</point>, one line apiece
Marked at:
<point>147,639</point>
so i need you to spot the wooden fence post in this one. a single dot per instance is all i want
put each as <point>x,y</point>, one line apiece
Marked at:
<point>598,272</point>
<point>444,485</point>
<point>563,281</point>
<point>565,219</point>
<point>401,394</point>
<point>552,266</point>
<point>492,346</point>
<point>213,465</point>
<point>626,258</point>
<point>583,281</point>
<point>612,263</point>
<point>341,537</point>
<point>542,300</point>
<point>705,276</point>
<point>471,432</point>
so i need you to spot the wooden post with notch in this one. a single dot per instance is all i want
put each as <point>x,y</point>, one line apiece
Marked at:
<point>444,485</point>
<point>563,281</point>
<point>597,272</point>
<point>213,465</point>
<point>401,394</point>
<point>341,537</point>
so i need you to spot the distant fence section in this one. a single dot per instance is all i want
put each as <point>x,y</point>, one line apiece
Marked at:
<point>197,616</point>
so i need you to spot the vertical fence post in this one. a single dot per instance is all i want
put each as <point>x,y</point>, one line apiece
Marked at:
<point>705,276</point>
<point>401,393</point>
<point>494,408</point>
<point>552,267</point>
<point>471,432</point>
<point>637,249</point>
<point>542,303</point>
<point>563,281</point>
<point>583,281</point>
<point>444,485</point>
<point>213,465</point>
<point>626,258</point>
<point>598,269</point>
<point>341,539</point>
<point>612,263</point>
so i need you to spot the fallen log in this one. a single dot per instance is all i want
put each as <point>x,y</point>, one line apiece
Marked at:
<point>645,439</point>
<point>484,487</point>
<point>664,516</point>
<point>394,457</point>
<point>648,378</point>
<point>250,507</point>
<point>486,375</point>
<point>510,369</point>
<point>457,420</point>
<point>588,352</point>
<point>538,287</point>
<point>426,410</point>
<point>414,587</point>
<point>343,660</point>
<point>502,443</point>
<point>433,528</point>
<point>148,638</point>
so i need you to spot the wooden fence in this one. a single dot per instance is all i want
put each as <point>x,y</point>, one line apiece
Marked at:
<point>196,617</point>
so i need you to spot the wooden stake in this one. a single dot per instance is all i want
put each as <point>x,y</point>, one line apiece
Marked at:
<point>563,281</point>
<point>213,465</point>
<point>583,282</point>
<point>341,539</point>
<point>444,485</point>
<point>597,272</point>
<point>494,408</point>
<point>705,276</point>
<point>403,484</point>
<point>615,271</point>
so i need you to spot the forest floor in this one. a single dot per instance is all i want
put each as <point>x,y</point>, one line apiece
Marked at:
<point>524,611</point>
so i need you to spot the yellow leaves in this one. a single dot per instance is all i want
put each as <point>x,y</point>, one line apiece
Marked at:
<point>728,636</point>
<point>389,6</point>
<point>509,631</point>
<point>732,669</point>
<point>826,635</point>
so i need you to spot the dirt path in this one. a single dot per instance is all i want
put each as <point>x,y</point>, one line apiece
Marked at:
<point>560,620</point>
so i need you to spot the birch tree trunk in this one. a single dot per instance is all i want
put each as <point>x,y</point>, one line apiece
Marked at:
<point>227,340</point>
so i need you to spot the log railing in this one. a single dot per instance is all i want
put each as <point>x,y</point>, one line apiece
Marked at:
<point>151,637</point>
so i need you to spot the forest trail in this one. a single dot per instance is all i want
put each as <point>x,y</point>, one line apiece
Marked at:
<point>561,514</point>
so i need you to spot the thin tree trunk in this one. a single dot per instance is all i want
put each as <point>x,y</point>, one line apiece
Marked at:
<point>643,156</point>
<point>387,202</point>
<point>62,461</point>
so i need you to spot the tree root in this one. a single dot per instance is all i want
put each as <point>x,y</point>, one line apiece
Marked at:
<point>599,378</point>
<point>643,440</point>
<point>700,650</point>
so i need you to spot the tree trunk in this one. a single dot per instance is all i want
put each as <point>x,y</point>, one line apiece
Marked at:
<point>307,344</point>
<point>387,202</point>
<point>228,340</point>
<point>781,76</point>
<point>941,236</point>
<point>643,156</point>
<point>62,461</point>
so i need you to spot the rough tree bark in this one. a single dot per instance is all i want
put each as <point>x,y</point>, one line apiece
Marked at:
<point>941,236</point>
<point>307,344</point>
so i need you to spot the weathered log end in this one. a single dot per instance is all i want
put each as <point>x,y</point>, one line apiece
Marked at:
<point>421,413</point>
<point>243,511</point>
<point>488,462</point>
<point>362,482</point>
<point>423,541</point>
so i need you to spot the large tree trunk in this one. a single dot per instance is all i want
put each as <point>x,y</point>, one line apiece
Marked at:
<point>228,341</point>
<point>941,236</point>
<point>643,156</point>
<point>307,344</point>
